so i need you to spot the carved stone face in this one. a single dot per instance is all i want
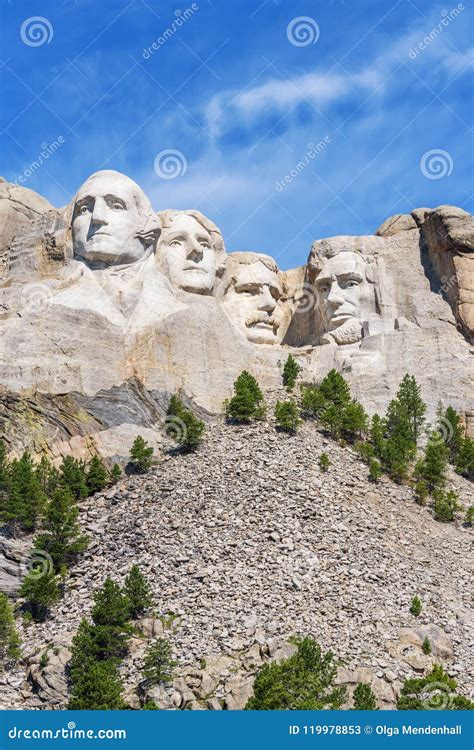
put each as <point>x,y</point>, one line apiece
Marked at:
<point>343,295</point>
<point>106,220</point>
<point>251,300</point>
<point>188,255</point>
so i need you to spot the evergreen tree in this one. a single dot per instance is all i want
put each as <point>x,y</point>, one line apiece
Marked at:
<point>141,455</point>
<point>415,606</point>
<point>110,616</point>
<point>158,664</point>
<point>116,473</point>
<point>335,389</point>
<point>449,424</point>
<point>409,397</point>
<point>331,419</point>
<point>287,415</point>
<point>305,681</point>
<point>364,698</point>
<point>73,476</point>
<point>24,501</point>
<point>375,471</point>
<point>47,476</point>
<point>324,462</point>
<point>187,430</point>
<point>465,458</point>
<point>469,517</point>
<point>434,691</point>
<point>9,638</point>
<point>138,592</point>
<point>40,591</point>
<point>354,420</point>
<point>62,538</point>
<point>3,467</point>
<point>312,401</point>
<point>98,688</point>
<point>97,475</point>
<point>378,429</point>
<point>290,372</point>
<point>426,646</point>
<point>432,467</point>
<point>247,402</point>
<point>421,492</point>
<point>444,505</point>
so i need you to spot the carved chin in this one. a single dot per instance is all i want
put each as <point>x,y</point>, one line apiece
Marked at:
<point>349,332</point>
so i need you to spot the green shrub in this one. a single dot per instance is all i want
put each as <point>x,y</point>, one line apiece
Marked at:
<point>116,473</point>
<point>97,475</point>
<point>432,467</point>
<point>305,681</point>
<point>469,517</point>
<point>72,476</point>
<point>426,646</point>
<point>421,492</point>
<point>183,426</point>
<point>364,698</point>
<point>465,458</point>
<point>287,415</point>
<point>23,496</point>
<point>375,471</point>
<point>62,539</point>
<point>97,688</point>
<point>40,592</point>
<point>324,462</point>
<point>415,606</point>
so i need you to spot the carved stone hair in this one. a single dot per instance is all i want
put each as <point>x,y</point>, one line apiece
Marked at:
<point>217,241</point>
<point>329,248</point>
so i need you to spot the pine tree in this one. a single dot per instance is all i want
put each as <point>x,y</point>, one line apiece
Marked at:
<point>378,429</point>
<point>422,693</point>
<point>312,401</point>
<point>9,638</point>
<point>247,402</point>
<point>465,458</point>
<point>110,616</point>
<point>25,499</point>
<point>354,420</point>
<point>3,466</point>
<point>375,471</point>
<point>62,538</point>
<point>469,517</point>
<point>290,372</point>
<point>324,462</point>
<point>138,592</point>
<point>40,591</point>
<point>426,646</point>
<point>305,681</point>
<point>186,429</point>
<point>73,476</point>
<point>444,505</point>
<point>97,476</point>
<point>409,397</point>
<point>116,473</point>
<point>98,688</point>
<point>421,492</point>
<point>141,455</point>
<point>331,419</point>
<point>415,606</point>
<point>335,389</point>
<point>158,664</point>
<point>364,698</point>
<point>432,467</point>
<point>287,415</point>
<point>449,424</point>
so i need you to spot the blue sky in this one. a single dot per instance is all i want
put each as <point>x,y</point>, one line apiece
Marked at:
<point>239,89</point>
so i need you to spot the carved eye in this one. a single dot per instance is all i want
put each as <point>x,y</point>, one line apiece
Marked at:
<point>324,289</point>
<point>350,284</point>
<point>84,209</point>
<point>205,243</point>
<point>117,206</point>
<point>175,243</point>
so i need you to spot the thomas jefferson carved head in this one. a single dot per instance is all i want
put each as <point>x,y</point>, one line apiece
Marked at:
<point>113,222</point>
<point>344,285</point>
<point>191,251</point>
<point>251,296</point>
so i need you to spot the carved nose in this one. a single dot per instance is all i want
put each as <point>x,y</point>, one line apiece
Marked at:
<point>194,251</point>
<point>266,301</point>
<point>335,297</point>
<point>99,214</point>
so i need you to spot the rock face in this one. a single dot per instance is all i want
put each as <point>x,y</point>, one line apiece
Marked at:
<point>107,308</point>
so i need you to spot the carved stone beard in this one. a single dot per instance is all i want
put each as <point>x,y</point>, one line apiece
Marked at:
<point>350,332</point>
